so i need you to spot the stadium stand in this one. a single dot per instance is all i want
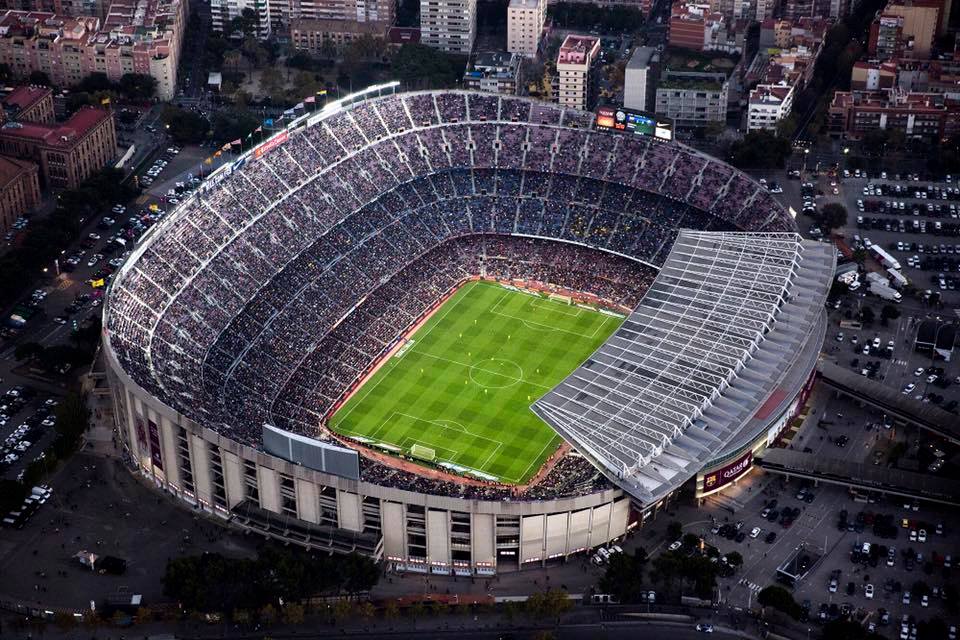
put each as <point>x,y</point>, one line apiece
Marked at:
<point>267,294</point>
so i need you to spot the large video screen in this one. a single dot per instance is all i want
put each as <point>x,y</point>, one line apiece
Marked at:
<point>637,122</point>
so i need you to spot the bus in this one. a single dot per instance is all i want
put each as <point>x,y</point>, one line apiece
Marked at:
<point>884,258</point>
<point>899,280</point>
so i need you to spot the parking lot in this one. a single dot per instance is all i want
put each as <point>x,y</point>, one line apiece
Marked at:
<point>27,423</point>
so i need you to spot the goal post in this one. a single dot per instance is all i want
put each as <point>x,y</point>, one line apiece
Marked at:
<point>560,298</point>
<point>423,453</point>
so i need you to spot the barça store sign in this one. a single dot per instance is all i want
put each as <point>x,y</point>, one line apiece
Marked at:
<point>725,475</point>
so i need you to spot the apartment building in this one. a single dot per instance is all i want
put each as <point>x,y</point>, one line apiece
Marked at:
<point>697,26</point>
<point>525,20</point>
<point>921,116</point>
<point>575,62</point>
<point>768,105</point>
<point>68,152</point>
<point>19,190</point>
<point>136,36</point>
<point>494,71</point>
<point>311,35</point>
<point>71,8</point>
<point>640,78</point>
<point>448,25</point>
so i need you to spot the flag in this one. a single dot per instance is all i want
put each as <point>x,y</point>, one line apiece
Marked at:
<point>236,142</point>
<point>225,147</point>
<point>218,154</point>
<point>258,130</point>
<point>310,100</point>
<point>97,283</point>
<point>208,161</point>
<point>105,100</point>
<point>268,122</point>
<point>299,105</point>
<point>322,92</point>
<point>249,135</point>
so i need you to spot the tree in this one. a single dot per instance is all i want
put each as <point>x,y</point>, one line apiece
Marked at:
<point>734,559</point>
<point>866,315</point>
<point>246,23</point>
<point>624,576</point>
<point>674,530</point>
<point>390,610</point>
<point>690,541</point>
<point>422,67</point>
<point>186,127</point>
<point>760,149</point>
<point>39,77</point>
<point>366,610</point>
<point>832,216</point>
<point>888,312</point>
<point>780,599</point>
<point>293,613</point>
<point>138,86</point>
<point>268,614</point>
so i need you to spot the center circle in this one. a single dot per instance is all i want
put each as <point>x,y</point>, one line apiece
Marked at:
<point>496,373</point>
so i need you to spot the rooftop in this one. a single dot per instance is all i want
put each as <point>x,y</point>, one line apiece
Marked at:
<point>641,58</point>
<point>62,134</point>
<point>577,49</point>
<point>24,97</point>
<point>727,320</point>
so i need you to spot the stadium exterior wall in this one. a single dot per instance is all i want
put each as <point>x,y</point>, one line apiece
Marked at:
<point>212,473</point>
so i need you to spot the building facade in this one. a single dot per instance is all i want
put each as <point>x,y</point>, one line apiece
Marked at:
<point>142,38</point>
<point>693,99</point>
<point>448,25</point>
<point>639,82</point>
<point>525,20</point>
<point>768,105</point>
<point>67,153</point>
<point>28,104</point>
<point>575,63</point>
<point>313,35</point>
<point>921,116</point>
<point>496,72</point>
<point>19,190</point>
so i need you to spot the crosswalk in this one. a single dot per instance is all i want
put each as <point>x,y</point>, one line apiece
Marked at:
<point>901,363</point>
<point>752,586</point>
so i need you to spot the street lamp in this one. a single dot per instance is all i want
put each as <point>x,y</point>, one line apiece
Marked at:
<point>806,152</point>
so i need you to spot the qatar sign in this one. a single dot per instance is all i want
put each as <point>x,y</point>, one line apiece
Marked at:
<point>725,475</point>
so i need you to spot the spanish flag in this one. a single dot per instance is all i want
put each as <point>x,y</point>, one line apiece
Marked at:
<point>97,283</point>
<point>322,92</point>
<point>105,100</point>
<point>208,161</point>
<point>218,154</point>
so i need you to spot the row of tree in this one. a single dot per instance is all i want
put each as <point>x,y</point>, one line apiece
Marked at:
<point>214,583</point>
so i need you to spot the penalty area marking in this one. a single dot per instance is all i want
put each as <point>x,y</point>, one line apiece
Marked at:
<point>539,326</point>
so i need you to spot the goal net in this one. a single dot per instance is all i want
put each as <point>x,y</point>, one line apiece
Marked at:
<point>423,453</point>
<point>561,298</point>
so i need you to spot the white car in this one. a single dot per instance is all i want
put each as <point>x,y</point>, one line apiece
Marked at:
<point>908,389</point>
<point>868,591</point>
<point>913,535</point>
<point>674,546</point>
<point>932,378</point>
<point>919,372</point>
<point>705,628</point>
<point>922,535</point>
<point>755,532</point>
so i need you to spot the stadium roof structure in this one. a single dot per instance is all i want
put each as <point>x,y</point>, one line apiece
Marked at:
<point>723,323</point>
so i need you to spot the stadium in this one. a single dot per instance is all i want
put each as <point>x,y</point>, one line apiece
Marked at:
<point>460,332</point>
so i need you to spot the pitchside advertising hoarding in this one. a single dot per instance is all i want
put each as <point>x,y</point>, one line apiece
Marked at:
<point>638,123</point>
<point>725,475</point>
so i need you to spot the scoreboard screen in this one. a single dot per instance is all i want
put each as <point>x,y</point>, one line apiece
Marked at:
<point>637,122</point>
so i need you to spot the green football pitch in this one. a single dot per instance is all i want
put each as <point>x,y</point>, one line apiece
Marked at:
<point>458,393</point>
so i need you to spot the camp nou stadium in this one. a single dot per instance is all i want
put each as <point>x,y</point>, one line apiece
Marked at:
<point>460,332</point>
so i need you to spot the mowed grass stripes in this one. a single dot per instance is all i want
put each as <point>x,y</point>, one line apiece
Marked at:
<point>465,385</point>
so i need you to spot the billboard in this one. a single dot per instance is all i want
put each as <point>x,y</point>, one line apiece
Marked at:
<point>725,475</point>
<point>311,453</point>
<point>273,142</point>
<point>639,123</point>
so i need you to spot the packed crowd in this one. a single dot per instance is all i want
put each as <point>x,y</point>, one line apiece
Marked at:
<point>233,310</point>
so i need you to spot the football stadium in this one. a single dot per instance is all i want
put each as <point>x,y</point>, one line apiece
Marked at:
<point>460,332</point>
